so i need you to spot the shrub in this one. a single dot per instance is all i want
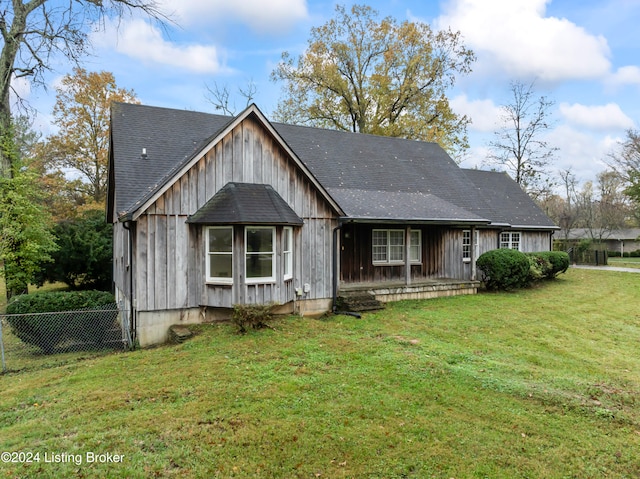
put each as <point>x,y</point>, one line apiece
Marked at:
<point>559,260</point>
<point>85,253</point>
<point>252,316</point>
<point>540,267</point>
<point>504,268</point>
<point>48,331</point>
<point>548,264</point>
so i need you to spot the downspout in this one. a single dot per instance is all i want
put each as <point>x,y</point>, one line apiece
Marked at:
<point>334,267</point>
<point>132,325</point>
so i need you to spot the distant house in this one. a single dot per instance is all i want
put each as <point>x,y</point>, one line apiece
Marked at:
<point>624,240</point>
<point>211,211</point>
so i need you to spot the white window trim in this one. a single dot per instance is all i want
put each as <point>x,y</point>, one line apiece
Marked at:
<point>474,245</point>
<point>466,259</point>
<point>511,242</point>
<point>417,260</point>
<point>388,245</point>
<point>265,279</point>
<point>287,254</point>
<point>214,279</point>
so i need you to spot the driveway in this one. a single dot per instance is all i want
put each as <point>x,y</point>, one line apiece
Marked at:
<point>606,268</point>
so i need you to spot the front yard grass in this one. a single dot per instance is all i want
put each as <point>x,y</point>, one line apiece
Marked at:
<point>543,382</point>
<point>624,262</point>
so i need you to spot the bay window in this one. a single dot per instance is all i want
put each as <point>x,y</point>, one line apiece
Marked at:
<point>260,265</point>
<point>219,266</point>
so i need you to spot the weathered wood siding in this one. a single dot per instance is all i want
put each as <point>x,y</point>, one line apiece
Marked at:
<point>438,255</point>
<point>121,258</point>
<point>170,270</point>
<point>441,253</point>
<point>530,241</point>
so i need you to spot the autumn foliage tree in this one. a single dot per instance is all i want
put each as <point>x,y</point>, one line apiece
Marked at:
<point>366,75</point>
<point>82,114</point>
<point>34,31</point>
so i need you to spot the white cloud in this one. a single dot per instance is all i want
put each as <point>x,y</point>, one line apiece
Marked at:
<point>141,41</point>
<point>263,17</point>
<point>484,114</point>
<point>582,153</point>
<point>598,117</point>
<point>518,38</point>
<point>629,75</point>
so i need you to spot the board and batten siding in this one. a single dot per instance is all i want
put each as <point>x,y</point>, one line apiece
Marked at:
<point>170,271</point>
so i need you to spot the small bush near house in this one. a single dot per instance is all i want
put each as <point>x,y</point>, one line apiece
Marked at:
<point>48,331</point>
<point>504,269</point>
<point>253,316</point>
<point>540,267</point>
<point>548,264</point>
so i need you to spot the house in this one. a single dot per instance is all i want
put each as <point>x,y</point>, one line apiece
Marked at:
<point>211,211</point>
<point>623,241</point>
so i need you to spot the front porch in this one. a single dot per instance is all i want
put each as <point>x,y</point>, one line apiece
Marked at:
<point>417,289</point>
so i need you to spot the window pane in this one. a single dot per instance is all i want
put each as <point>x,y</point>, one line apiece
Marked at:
<point>416,246</point>
<point>259,265</point>
<point>396,245</point>
<point>466,244</point>
<point>379,245</point>
<point>287,239</point>
<point>396,253</point>
<point>220,239</point>
<point>260,240</point>
<point>396,238</point>
<point>379,253</point>
<point>379,238</point>
<point>220,265</point>
<point>288,252</point>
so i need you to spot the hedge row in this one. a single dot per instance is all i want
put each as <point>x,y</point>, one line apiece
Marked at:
<point>506,269</point>
<point>94,316</point>
<point>627,254</point>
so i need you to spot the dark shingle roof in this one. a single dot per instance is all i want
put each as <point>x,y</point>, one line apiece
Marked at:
<point>356,161</point>
<point>170,137</point>
<point>246,203</point>
<point>505,202</point>
<point>370,177</point>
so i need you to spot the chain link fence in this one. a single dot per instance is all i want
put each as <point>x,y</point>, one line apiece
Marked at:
<point>41,339</point>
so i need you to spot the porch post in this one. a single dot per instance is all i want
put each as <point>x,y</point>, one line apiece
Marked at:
<point>473,253</point>
<point>407,256</point>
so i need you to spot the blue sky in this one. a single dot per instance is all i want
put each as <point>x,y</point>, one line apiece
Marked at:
<point>582,54</point>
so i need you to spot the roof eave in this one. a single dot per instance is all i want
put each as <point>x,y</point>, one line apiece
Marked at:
<point>421,221</point>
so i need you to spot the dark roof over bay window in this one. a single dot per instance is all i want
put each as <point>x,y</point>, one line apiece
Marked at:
<point>246,203</point>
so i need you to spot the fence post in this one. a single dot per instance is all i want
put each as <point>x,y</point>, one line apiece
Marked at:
<point>4,365</point>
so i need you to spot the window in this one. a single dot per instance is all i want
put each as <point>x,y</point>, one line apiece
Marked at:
<point>260,253</point>
<point>466,245</point>
<point>388,246</point>
<point>287,252</point>
<point>415,249</point>
<point>510,240</point>
<point>220,254</point>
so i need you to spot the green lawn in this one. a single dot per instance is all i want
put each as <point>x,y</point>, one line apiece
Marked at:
<point>538,383</point>
<point>625,262</point>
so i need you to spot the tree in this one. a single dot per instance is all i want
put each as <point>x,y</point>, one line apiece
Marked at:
<point>33,31</point>
<point>25,238</point>
<point>519,146</point>
<point>626,163</point>
<point>602,209</point>
<point>82,113</point>
<point>220,97</point>
<point>381,77</point>
<point>84,256</point>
